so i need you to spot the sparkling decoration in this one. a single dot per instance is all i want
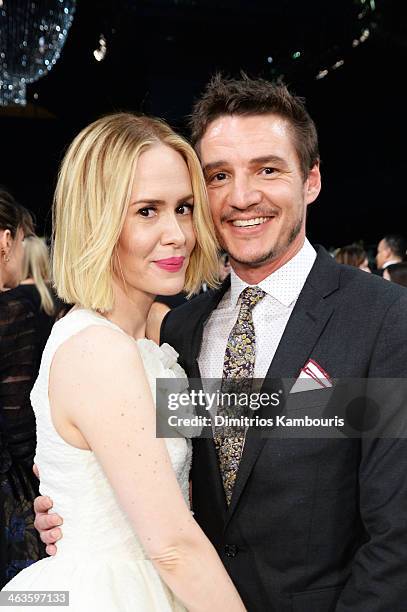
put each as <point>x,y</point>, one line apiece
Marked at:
<point>32,34</point>
<point>308,62</point>
<point>100,53</point>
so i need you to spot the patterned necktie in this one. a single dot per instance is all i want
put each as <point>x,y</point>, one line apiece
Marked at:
<point>238,364</point>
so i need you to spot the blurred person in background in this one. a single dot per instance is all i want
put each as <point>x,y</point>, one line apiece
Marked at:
<point>390,250</point>
<point>353,255</point>
<point>397,273</point>
<point>36,287</point>
<point>223,269</point>
<point>19,542</point>
<point>224,266</point>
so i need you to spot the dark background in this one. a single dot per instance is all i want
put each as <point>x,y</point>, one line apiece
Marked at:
<point>159,55</point>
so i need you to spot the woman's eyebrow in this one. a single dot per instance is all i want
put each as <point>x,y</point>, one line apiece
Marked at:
<point>158,202</point>
<point>148,201</point>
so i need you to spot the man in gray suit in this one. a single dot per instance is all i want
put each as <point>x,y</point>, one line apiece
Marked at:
<point>302,525</point>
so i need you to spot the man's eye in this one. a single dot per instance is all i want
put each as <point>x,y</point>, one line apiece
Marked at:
<point>146,212</point>
<point>219,176</point>
<point>185,209</point>
<point>269,170</point>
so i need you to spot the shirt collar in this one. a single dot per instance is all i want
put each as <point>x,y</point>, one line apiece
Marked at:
<point>390,263</point>
<point>285,283</point>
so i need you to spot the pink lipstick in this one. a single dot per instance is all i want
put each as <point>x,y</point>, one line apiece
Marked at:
<point>170,264</point>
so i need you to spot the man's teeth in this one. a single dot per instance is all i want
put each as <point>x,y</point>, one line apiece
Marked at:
<point>247,222</point>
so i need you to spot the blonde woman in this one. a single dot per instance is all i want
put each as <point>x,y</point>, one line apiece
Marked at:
<point>37,271</point>
<point>36,288</point>
<point>131,220</point>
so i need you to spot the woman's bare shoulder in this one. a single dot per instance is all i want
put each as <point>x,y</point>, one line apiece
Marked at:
<point>96,350</point>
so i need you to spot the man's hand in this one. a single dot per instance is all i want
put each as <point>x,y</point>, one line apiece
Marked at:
<point>45,523</point>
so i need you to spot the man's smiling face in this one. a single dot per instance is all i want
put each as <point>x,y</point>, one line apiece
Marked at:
<point>258,196</point>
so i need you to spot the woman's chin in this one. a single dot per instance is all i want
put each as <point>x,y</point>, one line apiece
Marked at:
<point>170,287</point>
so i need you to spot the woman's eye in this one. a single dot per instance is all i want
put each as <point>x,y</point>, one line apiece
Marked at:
<point>145,212</point>
<point>185,209</point>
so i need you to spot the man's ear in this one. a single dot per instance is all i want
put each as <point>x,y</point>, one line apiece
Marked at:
<point>312,185</point>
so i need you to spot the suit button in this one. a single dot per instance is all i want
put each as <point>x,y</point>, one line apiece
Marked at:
<point>231,550</point>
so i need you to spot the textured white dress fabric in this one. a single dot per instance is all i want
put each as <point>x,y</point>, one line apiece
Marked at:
<point>99,560</point>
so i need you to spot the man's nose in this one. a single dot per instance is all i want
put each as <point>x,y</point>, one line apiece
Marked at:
<point>243,193</point>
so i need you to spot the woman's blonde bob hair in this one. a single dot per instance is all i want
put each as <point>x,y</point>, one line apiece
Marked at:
<point>91,201</point>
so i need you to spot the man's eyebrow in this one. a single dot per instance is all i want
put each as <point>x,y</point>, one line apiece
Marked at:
<point>267,159</point>
<point>264,159</point>
<point>213,165</point>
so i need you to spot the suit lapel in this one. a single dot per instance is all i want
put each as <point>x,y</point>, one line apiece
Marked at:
<point>192,354</point>
<point>307,322</point>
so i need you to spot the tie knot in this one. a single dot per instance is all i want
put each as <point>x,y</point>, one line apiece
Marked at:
<point>250,296</point>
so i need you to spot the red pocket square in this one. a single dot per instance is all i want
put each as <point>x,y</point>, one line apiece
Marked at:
<point>313,370</point>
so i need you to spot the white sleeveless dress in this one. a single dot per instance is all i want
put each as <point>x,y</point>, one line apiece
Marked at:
<point>99,560</point>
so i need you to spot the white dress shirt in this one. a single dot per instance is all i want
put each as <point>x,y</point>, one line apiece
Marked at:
<point>390,263</point>
<point>270,315</point>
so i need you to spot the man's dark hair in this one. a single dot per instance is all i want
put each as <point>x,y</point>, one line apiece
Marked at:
<point>397,244</point>
<point>245,97</point>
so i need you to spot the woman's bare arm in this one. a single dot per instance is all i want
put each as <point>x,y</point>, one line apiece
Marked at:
<point>101,372</point>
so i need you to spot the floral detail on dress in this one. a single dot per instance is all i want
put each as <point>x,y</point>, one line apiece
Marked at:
<point>168,356</point>
<point>164,384</point>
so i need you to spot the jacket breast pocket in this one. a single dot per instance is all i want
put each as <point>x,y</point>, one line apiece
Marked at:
<point>316,398</point>
<point>320,600</point>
